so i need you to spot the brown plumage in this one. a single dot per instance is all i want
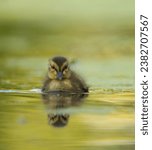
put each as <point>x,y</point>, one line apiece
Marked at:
<point>61,78</point>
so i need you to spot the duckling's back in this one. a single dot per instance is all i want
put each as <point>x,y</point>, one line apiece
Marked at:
<point>78,83</point>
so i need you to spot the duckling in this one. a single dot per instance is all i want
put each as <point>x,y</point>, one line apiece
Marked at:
<point>61,78</point>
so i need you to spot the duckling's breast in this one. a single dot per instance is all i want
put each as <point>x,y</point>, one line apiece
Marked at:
<point>60,85</point>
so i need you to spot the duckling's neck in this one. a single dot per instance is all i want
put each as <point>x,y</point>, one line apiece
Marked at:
<point>60,85</point>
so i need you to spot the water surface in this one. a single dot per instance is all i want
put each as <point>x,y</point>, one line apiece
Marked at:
<point>103,120</point>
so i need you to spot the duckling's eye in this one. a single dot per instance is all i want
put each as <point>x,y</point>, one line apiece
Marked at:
<point>53,67</point>
<point>65,68</point>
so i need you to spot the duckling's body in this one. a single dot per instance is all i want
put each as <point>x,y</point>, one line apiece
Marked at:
<point>61,78</point>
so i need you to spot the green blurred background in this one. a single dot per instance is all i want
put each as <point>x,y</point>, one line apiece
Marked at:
<point>77,28</point>
<point>99,33</point>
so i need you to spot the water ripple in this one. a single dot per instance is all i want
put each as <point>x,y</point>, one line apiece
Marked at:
<point>22,91</point>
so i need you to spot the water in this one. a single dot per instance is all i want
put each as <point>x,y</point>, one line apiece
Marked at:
<point>102,120</point>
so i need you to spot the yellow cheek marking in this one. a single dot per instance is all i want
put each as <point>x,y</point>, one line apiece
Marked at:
<point>52,74</point>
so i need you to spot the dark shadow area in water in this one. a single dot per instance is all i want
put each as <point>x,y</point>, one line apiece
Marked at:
<point>57,102</point>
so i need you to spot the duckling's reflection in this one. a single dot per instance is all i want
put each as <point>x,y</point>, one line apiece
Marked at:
<point>57,102</point>
<point>58,120</point>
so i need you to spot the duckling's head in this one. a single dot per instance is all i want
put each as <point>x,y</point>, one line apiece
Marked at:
<point>59,68</point>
